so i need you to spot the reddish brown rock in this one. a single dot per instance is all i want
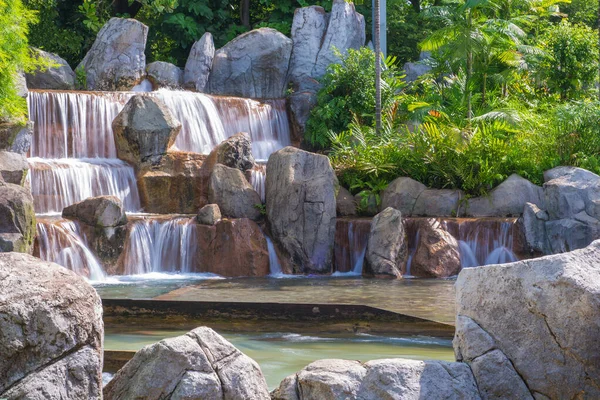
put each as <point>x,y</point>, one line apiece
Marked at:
<point>437,254</point>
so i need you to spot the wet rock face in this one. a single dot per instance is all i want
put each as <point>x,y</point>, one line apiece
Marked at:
<point>437,254</point>
<point>60,77</point>
<point>379,379</point>
<point>550,331</point>
<point>254,65</point>
<point>386,248</point>
<point>101,211</point>
<point>144,130</point>
<point>235,196</point>
<point>301,207</point>
<point>51,331</point>
<point>17,219</point>
<point>198,365</point>
<point>116,60</point>
<point>164,75</point>
<point>199,64</point>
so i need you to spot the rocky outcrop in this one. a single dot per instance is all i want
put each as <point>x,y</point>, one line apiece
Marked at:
<point>344,203</point>
<point>301,206</point>
<point>199,64</point>
<point>507,199</point>
<point>437,254</point>
<point>414,70</point>
<point>254,65</point>
<point>51,332</point>
<point>379,379</point>
<point>58,77</point>
<point>235,152</point>
<point>13,168</point>
<point>439,203</point>
<point>300,104</point>
<point>198,365</point>
<point>544,317</point>
<point>235,196</point>
<point>164,75</point>
<point>571,217</point>
<point>17,218</point>
<point>144,130</point>
<point>386,247</point>
<point>16,137</point>
<point>402,194</point>
<point>210,214</point>
<point>116,60</point>
<point>101,211</point>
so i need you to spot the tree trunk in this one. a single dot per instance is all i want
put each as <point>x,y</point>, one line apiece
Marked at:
<point>245,13</point>
<point>377,42</point>
<point>416,5</point>
<point>469,66</point>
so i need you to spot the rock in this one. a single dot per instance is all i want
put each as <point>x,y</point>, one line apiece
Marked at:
<point>252,65</point>
<point>21,85</point>
<point>300,202</point>
<point>235,152</point>
<point>101,211</point>
<point>402,194</point>
<point>13,168</point>
<point>210,214</point>
<point>570,190</point>
<point>497,379</point>
<point>534,225</point>
<point>164,75</point>
<point>116,60</point>
<point>379,379</point>
<point>568,234</point>
<point>346,30</point>
<point>300,105</point>
<point>438,203</point>
<point>60,77</point>
<point>470,341</point>
<point>16,137</point>
<point>308,30</point>
<point>507,199</point>
<point>144,130</point>
<point>51,331</point>
<point>437,254</point>
<point>235,196</point>
<point>17,219</point>
<point>180,175</point>
<point>414,70</point>
<point>233,248</point>
<point>386,248</point>
<point>199,64</point>
<point>107,245</point>
<point>366,203</point>
<point>550,333</point>
<point>344,203</point>
<point>198,365</point>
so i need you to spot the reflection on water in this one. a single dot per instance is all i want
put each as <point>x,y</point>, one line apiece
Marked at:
<point>282,354</point>
<point>432,299</point>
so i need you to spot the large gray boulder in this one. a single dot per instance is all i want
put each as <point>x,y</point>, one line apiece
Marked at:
<point>13,167</point>
<point>235,152</point>
<point>379,379</point>
<point>301,208</point>
<point>402,194</point>
<point>386,247</point>
<point>439,203</point>
<point>345,204</point>
<point>17,218</point>
<point>101,211</point>
<point>199,64</point>
<point>534,226</point>
<point>346,30</point>
<point>231,191</point>
<point>507,199</point>
<point>437,253</point>
<point>164,75</point>
<point>544,316</point>
<point>414,70</point>
<point>52,330</point>
<point>144,130</point>
<point>210,214</point>
<point>198,365</point>
<point>116,60</point>
<point>570,191</point>
<point>254,65</point>
<point>16,137</point>
<point>58,77</point>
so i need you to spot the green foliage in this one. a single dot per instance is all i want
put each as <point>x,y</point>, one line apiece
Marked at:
<point>15,56</point>
<point>262,208</point>
<point>348,91</point>
<point>582,12</point>
<point>81,77</point>
<point>569,66</point>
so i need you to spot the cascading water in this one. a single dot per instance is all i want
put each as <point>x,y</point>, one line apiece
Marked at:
<point>258,178</point>
<point>61,241</point>
<point>351,245</point>
<point>275,269</point>
<point>158,245</point>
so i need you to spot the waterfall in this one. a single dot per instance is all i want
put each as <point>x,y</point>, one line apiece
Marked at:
<point>351,245</point>
<point>275,269</point>
<point>56,184</point>
<point>258,177</point>
<point>159,245</point>
<point>61,241</point>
